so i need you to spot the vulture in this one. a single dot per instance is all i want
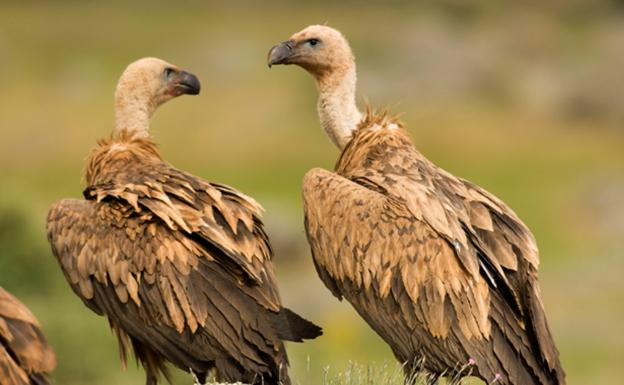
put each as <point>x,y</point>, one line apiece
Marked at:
<point>25,356</point>
<point>440,268</point>
<point>179,266</point>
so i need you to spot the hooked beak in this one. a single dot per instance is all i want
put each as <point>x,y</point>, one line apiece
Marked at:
<point>186,83</point>
<point>281,53</point>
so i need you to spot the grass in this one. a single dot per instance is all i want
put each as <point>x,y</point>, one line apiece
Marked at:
<point>389,374</point>
<point>384,374</point>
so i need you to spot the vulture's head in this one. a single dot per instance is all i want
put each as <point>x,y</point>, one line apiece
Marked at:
<point>319,49</point>
<point>155,81</point>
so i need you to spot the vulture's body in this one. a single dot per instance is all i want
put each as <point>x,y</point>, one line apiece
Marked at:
<point>25,356</point>
<point>180,267</point>
<point>441,269</point>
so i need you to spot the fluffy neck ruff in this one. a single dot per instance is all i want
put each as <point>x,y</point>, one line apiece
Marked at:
<point>133,110</point>
<point>337,110</point>
<point>114,155</point>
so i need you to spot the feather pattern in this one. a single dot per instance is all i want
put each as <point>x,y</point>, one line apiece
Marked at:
<point>439,267</point>
<point>180,267</point>
<point>25,356</point>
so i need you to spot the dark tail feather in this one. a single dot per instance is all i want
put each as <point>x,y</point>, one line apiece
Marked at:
<point>543,338</point>
<point>292,327</point>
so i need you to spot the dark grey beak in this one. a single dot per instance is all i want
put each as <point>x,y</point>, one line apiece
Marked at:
<point>187,83</point>
<point>281,53</point>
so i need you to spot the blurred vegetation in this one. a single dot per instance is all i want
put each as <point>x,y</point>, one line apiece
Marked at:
<point>526,101</point>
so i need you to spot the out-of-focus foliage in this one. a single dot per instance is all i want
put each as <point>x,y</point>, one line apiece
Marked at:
<point>526,100</point>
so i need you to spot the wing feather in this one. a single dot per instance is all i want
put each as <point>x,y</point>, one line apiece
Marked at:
<point>399,248</point>
<point>221,216</point>
<point>180,288</point>
<point>455,238</point>
<point>25,356</point>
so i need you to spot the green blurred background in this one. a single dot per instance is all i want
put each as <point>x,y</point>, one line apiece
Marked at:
<point>527,101</point>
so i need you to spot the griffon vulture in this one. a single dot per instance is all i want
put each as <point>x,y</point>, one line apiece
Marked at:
<point>25,356</point>
<point>180,267</point>
<point>441,269</point>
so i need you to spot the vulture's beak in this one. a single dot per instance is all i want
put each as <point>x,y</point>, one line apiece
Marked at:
<point>281,53</point>
<point>186,83</point>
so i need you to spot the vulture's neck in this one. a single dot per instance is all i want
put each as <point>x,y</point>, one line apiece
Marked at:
<point>337,110</point>
<point>132,113</point>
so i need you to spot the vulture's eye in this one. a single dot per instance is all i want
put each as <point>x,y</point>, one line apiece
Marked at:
<point>313,42</point>
<point>168,72</point>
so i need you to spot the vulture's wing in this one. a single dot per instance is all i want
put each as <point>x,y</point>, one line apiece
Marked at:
<point>25,356</point>
<point>418,228</point>
<point>161,284</point>
<point>488,238</point>
<point>224,221</point>
<point>361,237</point>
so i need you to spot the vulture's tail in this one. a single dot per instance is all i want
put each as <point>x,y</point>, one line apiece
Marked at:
<point>292,327</point>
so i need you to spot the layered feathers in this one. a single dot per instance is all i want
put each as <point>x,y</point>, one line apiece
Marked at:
<point>181,267</point>
<point>440,268</point>
<point>25,356</point>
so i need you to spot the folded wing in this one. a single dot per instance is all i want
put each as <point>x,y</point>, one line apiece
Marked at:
<point>178,255</point>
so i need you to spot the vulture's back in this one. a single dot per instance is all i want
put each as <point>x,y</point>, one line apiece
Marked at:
<point>25,356</point>
<point>181,267</point>
<point>440,268</point>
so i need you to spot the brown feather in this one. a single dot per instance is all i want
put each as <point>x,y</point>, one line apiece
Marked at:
<point>181,267</point>
<point>439,267</point>
<point>25,356</point>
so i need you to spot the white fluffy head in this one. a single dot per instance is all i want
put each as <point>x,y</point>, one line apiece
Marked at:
<point>319,49</point>
<point>145,85</point>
